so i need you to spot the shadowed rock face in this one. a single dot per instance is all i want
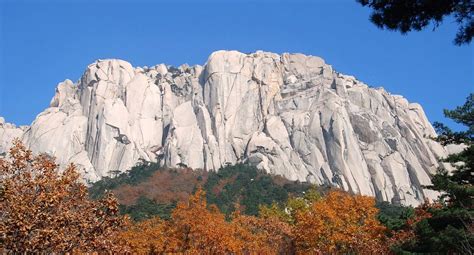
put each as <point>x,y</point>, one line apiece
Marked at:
<point>289,114</point>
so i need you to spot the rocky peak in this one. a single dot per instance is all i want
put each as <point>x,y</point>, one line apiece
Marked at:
<point>288,114</point>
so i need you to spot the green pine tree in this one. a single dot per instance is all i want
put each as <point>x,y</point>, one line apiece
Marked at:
<point>450,229</point>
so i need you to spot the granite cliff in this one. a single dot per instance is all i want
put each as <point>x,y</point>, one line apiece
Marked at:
<point>288,114</point>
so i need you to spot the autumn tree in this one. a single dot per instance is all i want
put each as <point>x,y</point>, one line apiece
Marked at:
<point>264,235</point>
<point>146,237</point>
<point>194,228</point>
<point>44,210</point>
<point>340,223</point>
<point>198,229</point>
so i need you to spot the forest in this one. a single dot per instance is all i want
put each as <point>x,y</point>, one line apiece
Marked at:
<point>235,210</point>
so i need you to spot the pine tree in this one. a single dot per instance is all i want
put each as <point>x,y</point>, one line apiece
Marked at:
<point>450,228</point>
<point>408,15</point>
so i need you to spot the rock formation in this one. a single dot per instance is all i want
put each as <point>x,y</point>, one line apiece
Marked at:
<point>288,114</point>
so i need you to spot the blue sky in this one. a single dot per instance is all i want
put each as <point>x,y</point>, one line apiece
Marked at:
<point>44,42</point>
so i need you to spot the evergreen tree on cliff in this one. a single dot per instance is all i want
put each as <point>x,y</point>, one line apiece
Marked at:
<point>450,229</point>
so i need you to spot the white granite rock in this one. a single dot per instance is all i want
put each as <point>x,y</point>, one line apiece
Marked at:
<point>288,114</point>
<point>8,132</point>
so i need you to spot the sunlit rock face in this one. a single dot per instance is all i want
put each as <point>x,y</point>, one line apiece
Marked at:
<point>289,114</point>
<point>8,132</point>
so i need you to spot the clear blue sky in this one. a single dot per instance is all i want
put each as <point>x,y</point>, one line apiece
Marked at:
<point>44,42</point>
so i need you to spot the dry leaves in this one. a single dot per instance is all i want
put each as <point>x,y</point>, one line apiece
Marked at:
<point>48,211</point>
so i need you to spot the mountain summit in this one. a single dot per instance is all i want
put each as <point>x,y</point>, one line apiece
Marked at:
<point>289,114</point>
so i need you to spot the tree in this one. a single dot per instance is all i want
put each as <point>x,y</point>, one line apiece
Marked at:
<point>293,206</point>
<point>458,185</point>
<point>146,208</point>
<point>196,228</point>
<point>340,223</point>
<point>146,237</point>
<point>264,235</point>
<point>450,229</point>
<point>408,15</point>
<point>405,236</point>
<point>44,210</point>
<point>199,230</point>
<point>245,185</point>
<point>394,217</point>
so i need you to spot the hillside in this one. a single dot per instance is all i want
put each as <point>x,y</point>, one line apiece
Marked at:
<point>149,190</point>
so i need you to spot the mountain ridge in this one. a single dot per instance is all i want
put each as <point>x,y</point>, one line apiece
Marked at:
<point>289,114</point>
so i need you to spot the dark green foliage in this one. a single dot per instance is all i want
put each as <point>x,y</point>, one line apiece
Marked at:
<point>459,192</point>
<point>297,187</point>
<point>146,208</point>
<point>463,115</point>
<point>247,186</point>
<point>408,15</point>
<point>450,229</point>
<point>394,217</point>
<point>458,186</point>
<point>134,176</point>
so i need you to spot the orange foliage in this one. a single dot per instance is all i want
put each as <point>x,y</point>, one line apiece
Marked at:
<point>340,223</point>
<point>48,211</point>
<point>196,228</point>
<point>45,211</point>
<point>268,235</point>
<point>146,237</point>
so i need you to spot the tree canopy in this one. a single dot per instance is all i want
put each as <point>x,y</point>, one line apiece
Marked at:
<point>408,15</point>
<point>44,210</point>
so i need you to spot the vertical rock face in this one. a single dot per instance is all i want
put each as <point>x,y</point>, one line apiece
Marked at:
<point>289,114</point>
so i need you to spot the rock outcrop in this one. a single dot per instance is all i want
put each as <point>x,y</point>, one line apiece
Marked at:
<point>8,132</point>
<point>289,114</point>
